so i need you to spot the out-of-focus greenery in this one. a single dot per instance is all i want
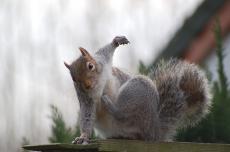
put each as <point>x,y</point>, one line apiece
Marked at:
<point>143,69</point>
<point>60,132</point>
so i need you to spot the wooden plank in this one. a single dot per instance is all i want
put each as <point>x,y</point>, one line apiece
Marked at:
<point>131,146</point>
<point>141,146</point>
<point>59,147</point>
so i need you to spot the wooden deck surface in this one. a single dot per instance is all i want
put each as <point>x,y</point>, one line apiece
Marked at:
<point>130,146</point>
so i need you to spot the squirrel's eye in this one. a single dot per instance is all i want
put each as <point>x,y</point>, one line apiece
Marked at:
<point>90,66</point>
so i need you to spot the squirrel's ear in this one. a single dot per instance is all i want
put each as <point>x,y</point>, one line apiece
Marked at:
<point>84,52</point>
<point>67,65</point>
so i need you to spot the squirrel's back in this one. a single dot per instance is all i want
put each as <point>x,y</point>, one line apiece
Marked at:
<point>184,95</point>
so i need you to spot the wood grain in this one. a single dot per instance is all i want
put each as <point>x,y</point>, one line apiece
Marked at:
<point>131,146</point>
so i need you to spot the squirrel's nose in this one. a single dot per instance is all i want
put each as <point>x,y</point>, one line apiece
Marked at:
<point>88,84</point>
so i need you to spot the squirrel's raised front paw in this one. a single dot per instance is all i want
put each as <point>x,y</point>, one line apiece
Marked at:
<point>120,40</point>
<point>81,140</point>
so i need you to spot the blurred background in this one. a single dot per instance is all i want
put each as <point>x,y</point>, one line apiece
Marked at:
<point>36,36</point>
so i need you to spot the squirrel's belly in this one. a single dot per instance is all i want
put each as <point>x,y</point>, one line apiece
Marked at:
<point>106,126</point>
<point>114,129</point>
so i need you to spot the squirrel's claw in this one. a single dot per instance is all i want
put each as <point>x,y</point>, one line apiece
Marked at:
<point>120,40</point>
<point>80,140</point>
<point>105,100</point>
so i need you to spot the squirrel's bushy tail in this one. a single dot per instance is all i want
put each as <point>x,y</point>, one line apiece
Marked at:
<point>184,95</point>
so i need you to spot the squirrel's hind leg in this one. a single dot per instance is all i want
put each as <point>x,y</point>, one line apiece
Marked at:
<point>112,108</point>
<point>136,106</point>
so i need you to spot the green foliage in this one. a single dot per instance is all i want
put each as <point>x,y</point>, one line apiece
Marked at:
<point>223,84</point>
<point>216,126</point>
<point>60,132</point>
<point>143,69</point>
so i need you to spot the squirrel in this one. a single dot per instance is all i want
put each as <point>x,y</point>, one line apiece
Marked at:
<point>119,105</point>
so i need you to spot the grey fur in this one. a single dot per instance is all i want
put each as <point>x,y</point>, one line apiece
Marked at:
<point>184,95</point>
<point>87,115</point>
<point>107,51</point>
<point>137,107</point>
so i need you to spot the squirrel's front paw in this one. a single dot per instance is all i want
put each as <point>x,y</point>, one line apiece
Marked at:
<point>120,40</point>
<point>81,140</point>
<point>105,100</point>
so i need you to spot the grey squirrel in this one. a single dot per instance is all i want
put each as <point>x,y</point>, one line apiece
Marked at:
<point>151,108</point>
